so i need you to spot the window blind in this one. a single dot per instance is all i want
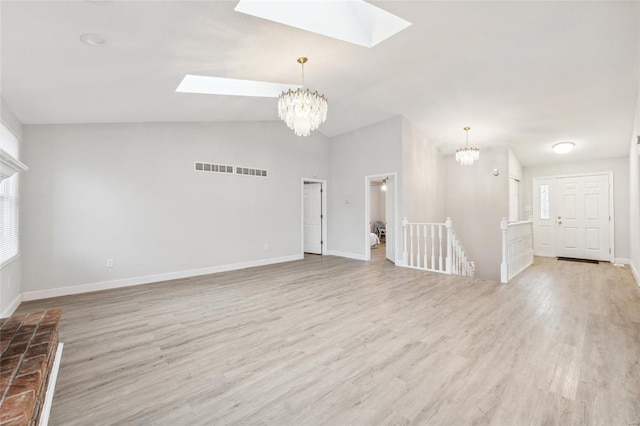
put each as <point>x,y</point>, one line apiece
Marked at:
<point>9,219</point>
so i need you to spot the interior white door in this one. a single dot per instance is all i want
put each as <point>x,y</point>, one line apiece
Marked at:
<point>390,206</point>
<point>313,218</point>
<point>544,222</point>
<point>514,191</point>
<point>583,217</point>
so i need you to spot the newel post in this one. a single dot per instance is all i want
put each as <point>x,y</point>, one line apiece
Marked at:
<point>449,225</point>
<point>405,255</point>
<point>504,271</point>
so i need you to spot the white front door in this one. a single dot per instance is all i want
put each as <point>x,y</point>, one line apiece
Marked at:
<point>583,217</point>
<point>313,218</point>
<point>390,236</point>
<point>544,222</point>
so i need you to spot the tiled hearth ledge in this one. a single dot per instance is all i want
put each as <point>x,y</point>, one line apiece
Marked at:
<point>28,346</point>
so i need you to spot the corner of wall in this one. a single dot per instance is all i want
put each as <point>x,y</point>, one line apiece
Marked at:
<point>10,120</point>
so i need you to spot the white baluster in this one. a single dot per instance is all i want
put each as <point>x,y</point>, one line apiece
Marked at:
<point>417,246</point>
<point>440,244</point>
<point>448,260</point>
<point>404,229</point>
<point>433,247</point>
<point>424,261</point>
<point>503,266</point>
<point>411,259</point>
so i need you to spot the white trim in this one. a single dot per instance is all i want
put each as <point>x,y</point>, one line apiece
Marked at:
<point>51,387</point>
<point>574,175</point>
<point>10,165</point>
<point>367,214</point>
<point>622,260</point>
<point>148,279</point>
<point>347,255</point>
<point>12,307</point>
<point>612,222</point>
<point>635,272</point>
<point>324,214</point>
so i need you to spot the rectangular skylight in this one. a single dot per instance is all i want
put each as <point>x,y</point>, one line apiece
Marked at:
<point>353,21</point>
<point>230,86</point>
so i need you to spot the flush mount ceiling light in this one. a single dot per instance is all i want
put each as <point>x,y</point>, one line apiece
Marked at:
<point>302,110</point>
<point>467,155</point>
<point>231,86</point>
<point>564,147</point>
<point>353,21</point>
<point>93,40</point>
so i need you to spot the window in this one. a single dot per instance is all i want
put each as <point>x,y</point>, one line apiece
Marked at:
<point>9,235</point>
<point>9,231</point>
<point>544,201</point>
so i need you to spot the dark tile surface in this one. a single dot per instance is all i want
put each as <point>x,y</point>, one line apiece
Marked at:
<point>27,346</point>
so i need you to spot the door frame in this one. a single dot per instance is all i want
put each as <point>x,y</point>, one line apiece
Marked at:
<point>611,206</point>
<point>323,220</point>
<point>367,213</point>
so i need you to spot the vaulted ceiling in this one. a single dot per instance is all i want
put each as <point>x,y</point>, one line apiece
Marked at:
<point>523,74</point>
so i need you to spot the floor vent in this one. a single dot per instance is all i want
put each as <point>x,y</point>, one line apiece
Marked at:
<point>223,168</point>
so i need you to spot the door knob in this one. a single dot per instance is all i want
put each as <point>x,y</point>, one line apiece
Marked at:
<point>559,222</point>
<point>559,217</point>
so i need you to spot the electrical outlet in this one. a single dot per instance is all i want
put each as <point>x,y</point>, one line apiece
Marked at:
<point>109,263</point>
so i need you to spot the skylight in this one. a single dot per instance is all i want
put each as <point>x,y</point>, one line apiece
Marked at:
<point>230,86</point>
<point>353,21</point>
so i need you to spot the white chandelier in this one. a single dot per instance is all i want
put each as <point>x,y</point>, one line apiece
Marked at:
<point>302,110</point>
<point>467,155</point>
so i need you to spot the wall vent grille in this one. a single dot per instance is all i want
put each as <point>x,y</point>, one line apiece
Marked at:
<point>248,171</point>
<point>223,168</point>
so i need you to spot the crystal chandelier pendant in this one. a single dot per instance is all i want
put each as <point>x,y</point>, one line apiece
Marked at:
<point>467,155</point>
<point>302,110</point>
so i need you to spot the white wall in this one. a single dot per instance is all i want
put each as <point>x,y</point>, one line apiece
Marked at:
<point>371,150</point>
<point>129,192</point>
<point>634,197</point>
<point>515,171</point>
<point>477,200</point>
<point>10,274</point>
<point>423,172</point>
<point>620,168</point>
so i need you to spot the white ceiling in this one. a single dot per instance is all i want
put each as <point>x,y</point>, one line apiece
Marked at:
<point>524,74</point>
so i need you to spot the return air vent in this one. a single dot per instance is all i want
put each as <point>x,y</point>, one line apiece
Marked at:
<point>216,168</point>
<point>250,172</point>
<point>223,168</point>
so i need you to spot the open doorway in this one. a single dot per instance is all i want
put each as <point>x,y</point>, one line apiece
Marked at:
<point>314,228</point>
<point>377,217</point>
<point>380,216</point>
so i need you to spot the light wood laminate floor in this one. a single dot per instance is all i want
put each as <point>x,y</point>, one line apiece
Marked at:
<point>333,341</point>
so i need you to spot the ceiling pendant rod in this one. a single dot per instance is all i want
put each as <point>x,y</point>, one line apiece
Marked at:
<point>302,61</point>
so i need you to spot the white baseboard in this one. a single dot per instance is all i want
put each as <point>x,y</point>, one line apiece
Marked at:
<point>636,275</point>
<point>344,254</point>
<point>622,260</point>
<point>147,279</point>
<point>12,307</point>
